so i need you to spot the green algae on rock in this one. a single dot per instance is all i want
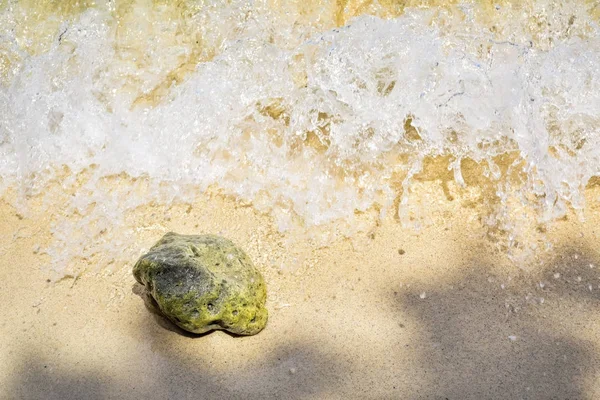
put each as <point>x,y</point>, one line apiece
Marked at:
<point>204,282</point>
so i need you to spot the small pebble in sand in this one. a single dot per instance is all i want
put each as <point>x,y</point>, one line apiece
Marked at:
<point>292,371</point>
<point>423,295</point>
<point>512,338</point>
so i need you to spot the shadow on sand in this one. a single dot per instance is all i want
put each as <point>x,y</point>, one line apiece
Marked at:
<point>286,371</point>
<point>476,335</point>
<point>268,378</point>
<point>483,336</point>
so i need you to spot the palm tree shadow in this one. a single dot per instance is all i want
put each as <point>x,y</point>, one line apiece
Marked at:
<point>482,338</point>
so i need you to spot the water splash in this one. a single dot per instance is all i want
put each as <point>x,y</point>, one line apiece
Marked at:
<point>308,121</point>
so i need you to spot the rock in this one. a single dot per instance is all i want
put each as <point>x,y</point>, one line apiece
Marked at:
<point>204,282</point>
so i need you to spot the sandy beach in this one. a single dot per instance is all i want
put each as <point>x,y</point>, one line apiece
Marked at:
<point>417,181</point>
<point>440,314</point>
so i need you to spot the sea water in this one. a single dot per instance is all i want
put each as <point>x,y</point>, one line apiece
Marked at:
<point>312,111</point>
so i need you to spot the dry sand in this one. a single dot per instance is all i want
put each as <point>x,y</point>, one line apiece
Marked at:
<point>450,318</point>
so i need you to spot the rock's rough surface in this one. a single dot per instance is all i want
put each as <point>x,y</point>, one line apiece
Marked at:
<point>204,282</point>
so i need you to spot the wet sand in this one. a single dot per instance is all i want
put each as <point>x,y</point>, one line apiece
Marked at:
<point>436,314</point>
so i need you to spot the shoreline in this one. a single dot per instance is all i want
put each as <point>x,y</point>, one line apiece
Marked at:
<point>450,316</point>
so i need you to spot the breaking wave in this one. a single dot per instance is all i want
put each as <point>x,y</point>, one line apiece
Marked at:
<point>313,113</point>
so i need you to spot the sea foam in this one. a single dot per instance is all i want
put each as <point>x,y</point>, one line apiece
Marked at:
<point>311,123</point>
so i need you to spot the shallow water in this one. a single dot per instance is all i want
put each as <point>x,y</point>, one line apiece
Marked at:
<point>314,112</point>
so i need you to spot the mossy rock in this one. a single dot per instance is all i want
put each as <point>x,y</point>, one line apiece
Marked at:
<point>204,282</point>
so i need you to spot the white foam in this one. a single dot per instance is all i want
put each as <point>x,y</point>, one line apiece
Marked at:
<point>468,93</point>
